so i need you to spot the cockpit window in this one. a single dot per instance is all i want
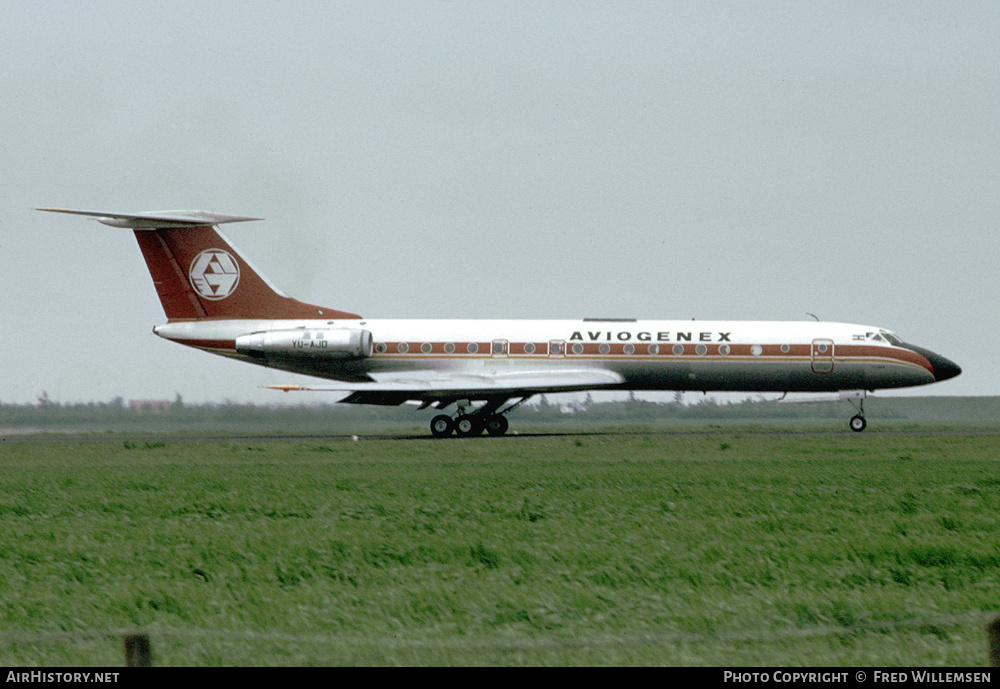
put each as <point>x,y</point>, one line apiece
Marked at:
<point>891,337</point>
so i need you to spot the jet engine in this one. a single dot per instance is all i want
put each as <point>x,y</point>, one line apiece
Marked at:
<point>330,343</point>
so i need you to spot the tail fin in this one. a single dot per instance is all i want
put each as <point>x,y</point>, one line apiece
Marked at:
<point>199,274</point>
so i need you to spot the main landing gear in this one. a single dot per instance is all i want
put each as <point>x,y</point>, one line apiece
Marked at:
<point>472,422</point>
<point>468,425</point>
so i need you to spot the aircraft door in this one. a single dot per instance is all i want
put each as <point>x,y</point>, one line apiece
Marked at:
<point>822,356</point>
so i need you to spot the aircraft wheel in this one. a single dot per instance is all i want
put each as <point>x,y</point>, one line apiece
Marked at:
<point>442,426</point>
<point>858,423</point>
<point>467,426</point>
<point>496,425</point>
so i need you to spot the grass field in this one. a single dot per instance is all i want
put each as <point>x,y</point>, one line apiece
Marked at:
<point>717,547</point>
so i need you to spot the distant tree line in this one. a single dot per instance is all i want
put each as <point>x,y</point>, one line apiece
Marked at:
<point>119,415</point>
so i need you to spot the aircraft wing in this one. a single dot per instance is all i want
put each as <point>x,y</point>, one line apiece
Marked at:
<point>446,387</point>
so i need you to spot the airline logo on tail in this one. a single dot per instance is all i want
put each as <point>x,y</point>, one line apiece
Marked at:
<point>214,274</point>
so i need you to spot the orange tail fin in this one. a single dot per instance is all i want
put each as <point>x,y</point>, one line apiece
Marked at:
<point>199,274</point>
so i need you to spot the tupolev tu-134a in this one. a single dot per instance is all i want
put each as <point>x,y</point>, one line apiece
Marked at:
<point>217,301</point>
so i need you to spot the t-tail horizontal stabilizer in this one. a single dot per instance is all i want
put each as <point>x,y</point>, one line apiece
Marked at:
<point>156,219</point>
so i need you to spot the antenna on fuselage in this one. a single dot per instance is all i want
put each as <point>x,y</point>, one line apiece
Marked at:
<point>813,315</point>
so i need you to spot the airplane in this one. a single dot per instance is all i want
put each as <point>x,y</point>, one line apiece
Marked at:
<point>217,301</point>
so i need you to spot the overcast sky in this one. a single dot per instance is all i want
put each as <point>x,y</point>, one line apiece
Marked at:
<point>503,159</point>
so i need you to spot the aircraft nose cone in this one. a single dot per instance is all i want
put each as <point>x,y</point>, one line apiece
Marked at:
<point>943,368</point>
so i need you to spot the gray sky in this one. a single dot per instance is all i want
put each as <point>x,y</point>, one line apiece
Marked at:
<point>503,159</point>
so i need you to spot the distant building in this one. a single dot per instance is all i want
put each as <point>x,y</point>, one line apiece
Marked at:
<point>149,406</point>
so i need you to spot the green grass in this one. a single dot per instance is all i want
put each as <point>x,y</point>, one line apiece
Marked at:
<point>725,547</point>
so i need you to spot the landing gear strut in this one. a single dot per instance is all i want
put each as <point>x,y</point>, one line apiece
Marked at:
<point>469,423</point>
<point>857,422</point>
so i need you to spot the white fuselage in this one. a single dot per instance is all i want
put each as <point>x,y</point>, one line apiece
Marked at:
<point>750,356</point>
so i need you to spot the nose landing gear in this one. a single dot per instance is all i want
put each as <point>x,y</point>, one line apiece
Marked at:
<point>857,422</point>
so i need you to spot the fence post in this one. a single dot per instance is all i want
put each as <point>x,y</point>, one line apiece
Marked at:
<point>137,651</point>
<point>993,634</point>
